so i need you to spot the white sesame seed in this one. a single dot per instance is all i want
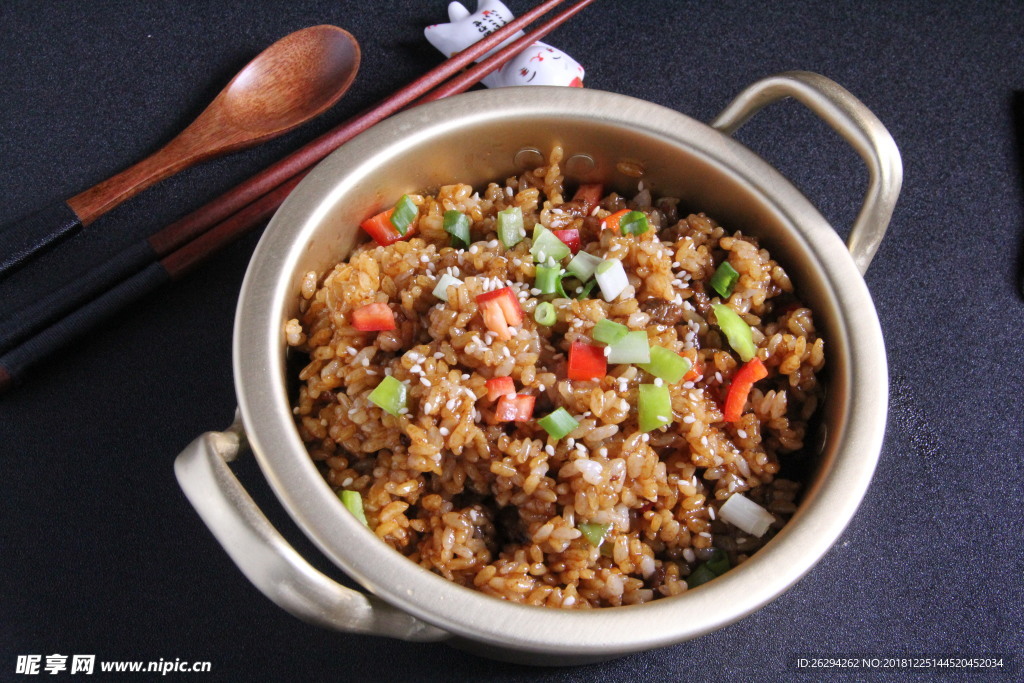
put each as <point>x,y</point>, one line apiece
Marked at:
<point>351,351</point>
<point>741,433</point>
<point>711,513</point>
<point>424,259</point>
<point>473,249</point>
<point>464,378</point>
<point>541,387</point>
<point>438,356</point>
<point>603,452</point>
<point>366,362</point>
<point>493,244</point>
<point>549,449</point>
<point>535,291</point>
<point>663,418</point>
<point>607,351</point>
<point>403,411</point>
<point>703,441</point>
<point>347,482</point>
<point>718,377</point>
<point>416,369</point>
<point>689,419</point>
<point>444,431</point>
<point>424,381</point>
<point>658,382</point>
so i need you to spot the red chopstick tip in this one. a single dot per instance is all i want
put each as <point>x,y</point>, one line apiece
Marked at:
<point>7,380</point>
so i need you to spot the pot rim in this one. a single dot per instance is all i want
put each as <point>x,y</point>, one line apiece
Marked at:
<point>259,371</point>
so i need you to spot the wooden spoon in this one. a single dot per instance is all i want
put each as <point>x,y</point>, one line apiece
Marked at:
<point>292,81</point>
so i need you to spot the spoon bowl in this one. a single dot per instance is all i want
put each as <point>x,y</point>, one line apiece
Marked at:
<point>317,65</point>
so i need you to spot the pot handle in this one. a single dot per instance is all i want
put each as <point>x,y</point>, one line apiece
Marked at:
<point>266,558</point>
<point>850,118</point>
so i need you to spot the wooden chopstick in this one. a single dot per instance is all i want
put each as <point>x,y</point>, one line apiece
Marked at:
<point>174,250</point>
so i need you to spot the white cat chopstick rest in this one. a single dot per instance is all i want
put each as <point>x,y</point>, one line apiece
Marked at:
<point>539,64</point>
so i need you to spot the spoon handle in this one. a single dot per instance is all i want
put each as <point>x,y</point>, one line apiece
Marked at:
<point>188,148</point>
<point>36,233</point>
<point>23,240</point>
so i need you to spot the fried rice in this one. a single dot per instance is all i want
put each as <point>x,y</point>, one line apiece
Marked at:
<point>608,514</point>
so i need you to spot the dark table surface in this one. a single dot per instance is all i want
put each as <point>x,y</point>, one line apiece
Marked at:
<point>101,554</point>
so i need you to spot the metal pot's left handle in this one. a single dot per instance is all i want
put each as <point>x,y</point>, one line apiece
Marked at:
<point>266,558</point>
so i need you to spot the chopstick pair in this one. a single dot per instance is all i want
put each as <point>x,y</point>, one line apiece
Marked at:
<point>68,312</point>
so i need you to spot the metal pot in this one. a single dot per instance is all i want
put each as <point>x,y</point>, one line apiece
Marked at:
<point>483,136</point>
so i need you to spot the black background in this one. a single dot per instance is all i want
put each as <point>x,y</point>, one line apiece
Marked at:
<point>101,554</point>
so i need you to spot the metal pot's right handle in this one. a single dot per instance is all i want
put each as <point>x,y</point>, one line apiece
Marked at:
<point>850,118</point>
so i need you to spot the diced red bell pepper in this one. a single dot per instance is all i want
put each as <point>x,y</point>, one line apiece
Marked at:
<point>500,386</point>
<point>612,222</point>
<point>696,367</point>
<point>589,195</point>
<point>383,232</point>
<point>373,318</point>
<point>739,390</point>
<point>571,238</point>
<point>515,408</point>
<point>500,308</point>
<point>586,361</point>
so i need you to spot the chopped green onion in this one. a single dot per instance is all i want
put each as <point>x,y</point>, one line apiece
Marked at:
<point>404,214</point>
<point>443,283</point>
<point>716,565</point>
<point>611,278</point>
<point>583,265</point>
<point>654,407</point>
<point>559,423</point>
<point>545,314</point>
<point>736,330</point>
<point>546,279</point>
<point>668,365</point>
<point>632,348</point>
<point>746,515</point>
<point>354,502</point>
<point>510,226</point>
<point>718,562</point>
<point>547,245</point>
<point>389,395</point>
<point>587,289</point>
<point>457,225</point>
<point>608,331</point>
<point>594,533</point>
<point>634,223</point>
<point>724,279</point>
<point>699,576</point>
